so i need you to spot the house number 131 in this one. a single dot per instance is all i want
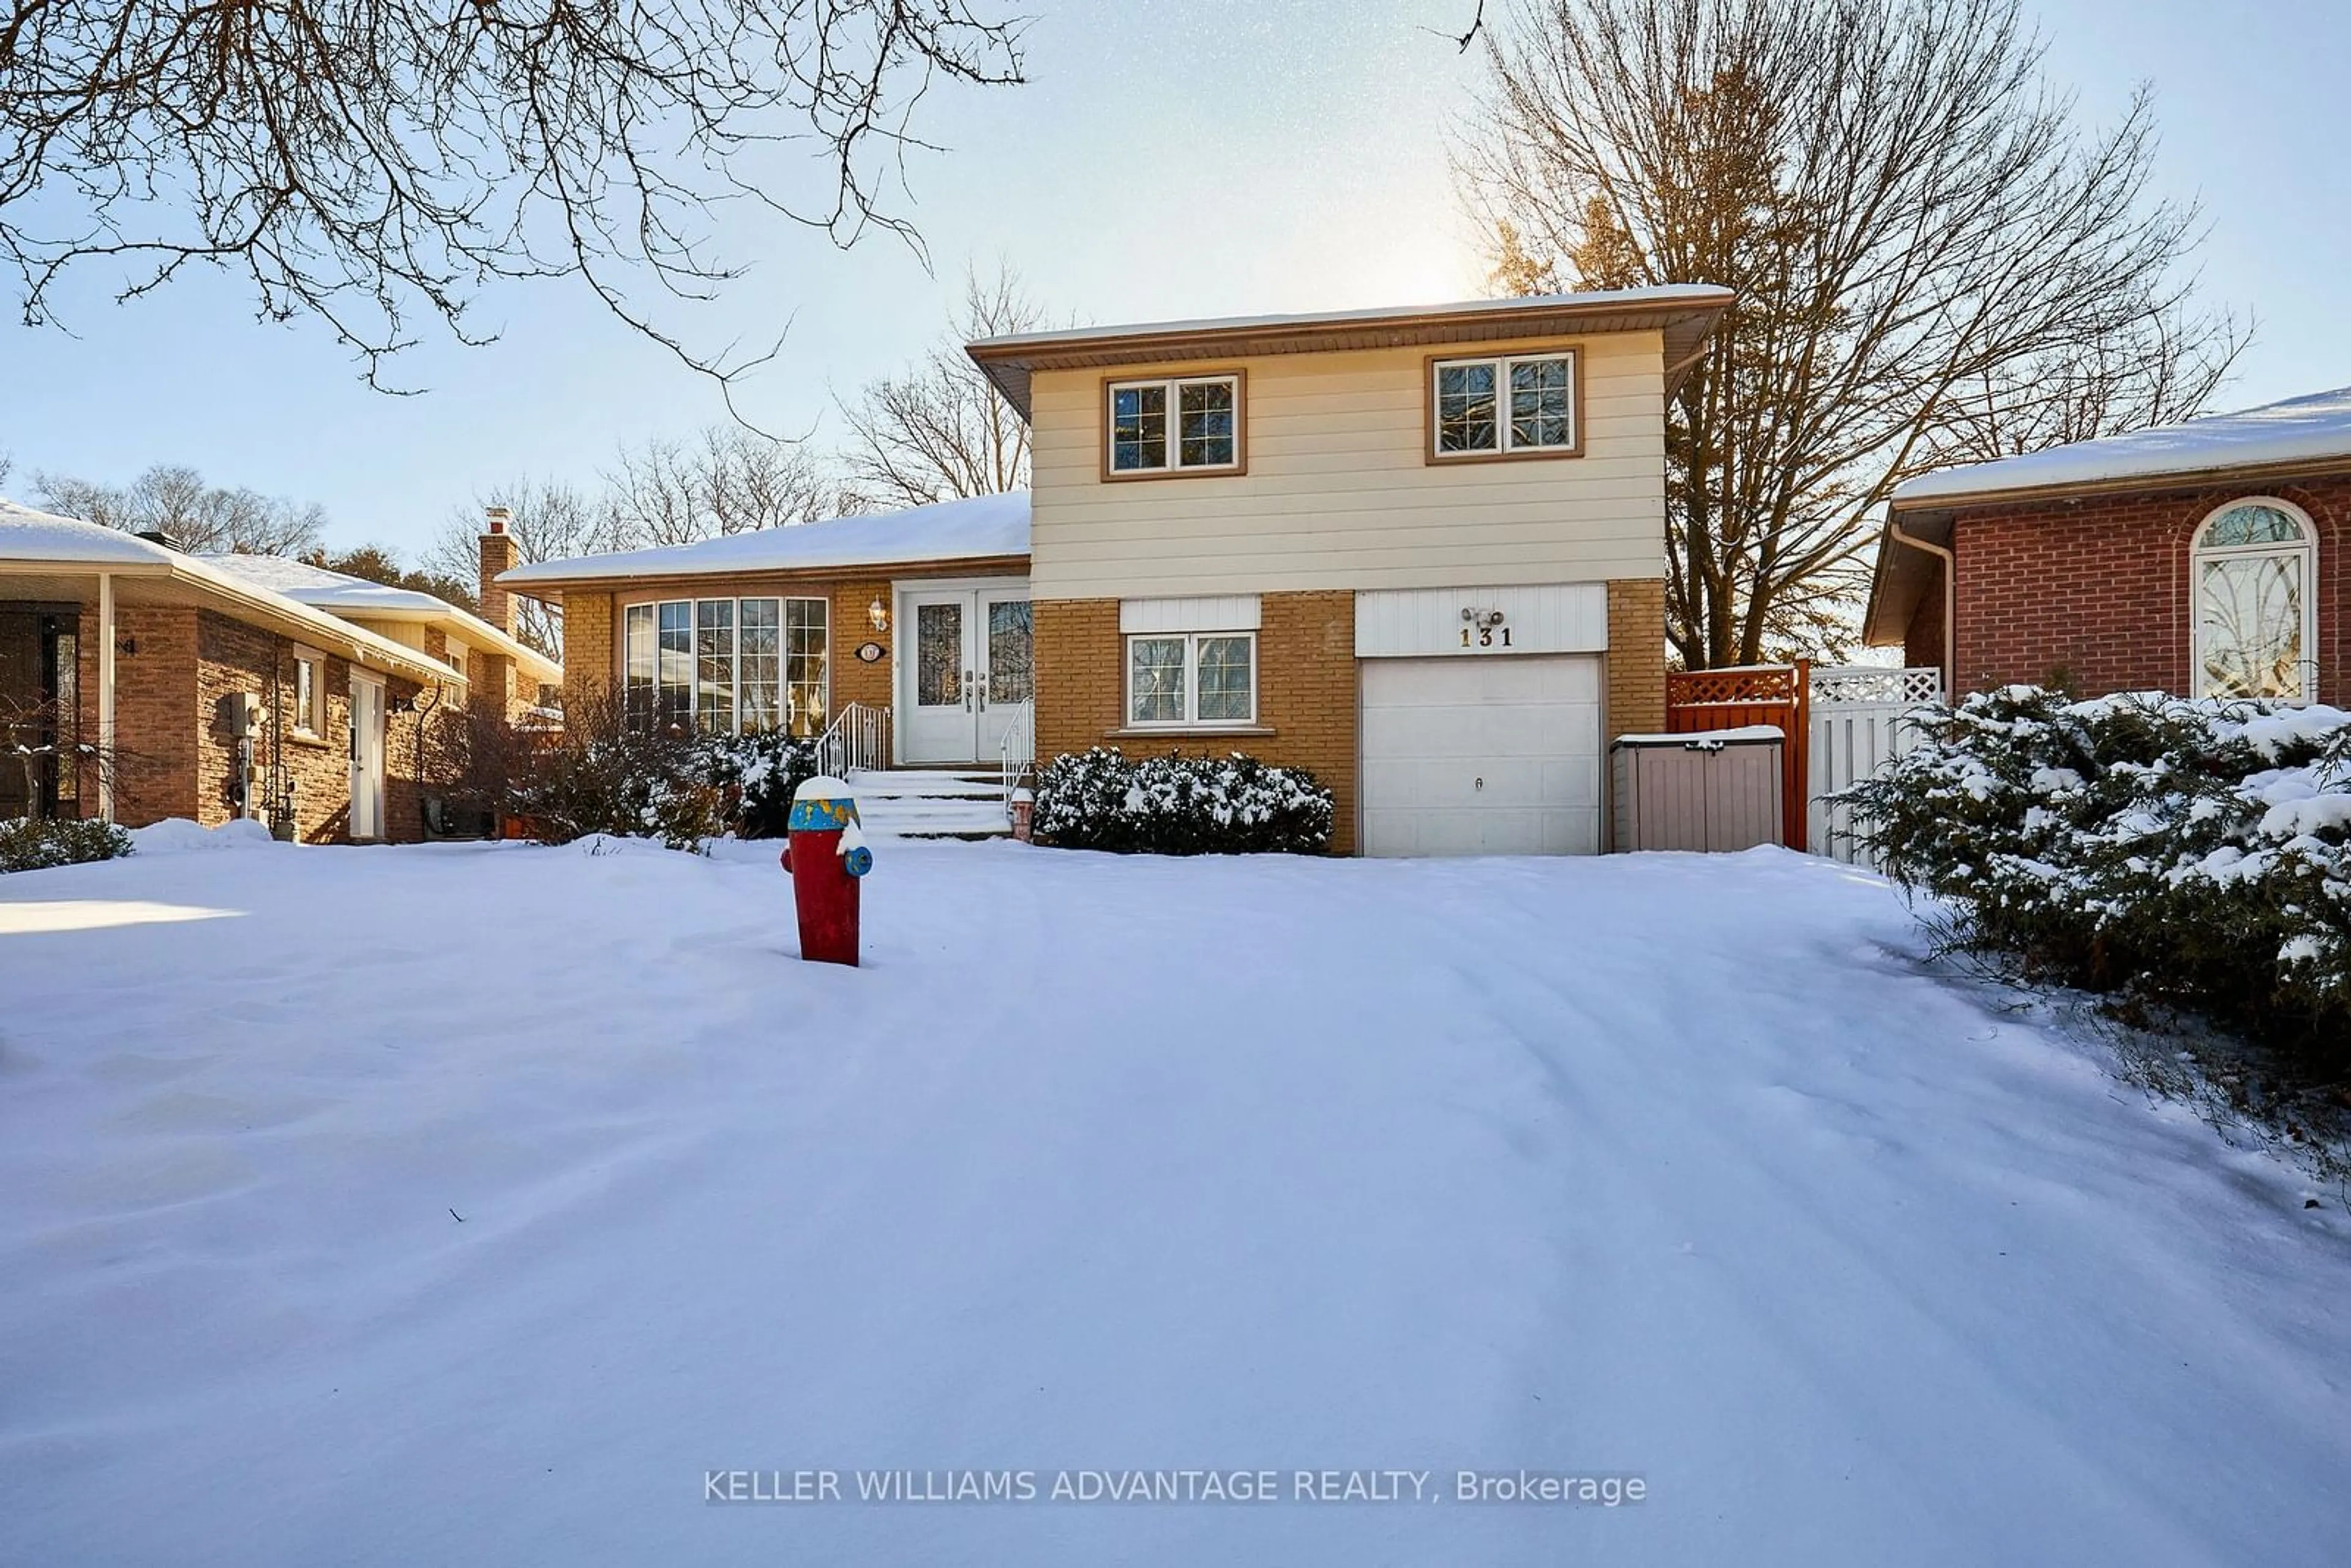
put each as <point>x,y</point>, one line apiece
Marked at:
<point>1486,636</point>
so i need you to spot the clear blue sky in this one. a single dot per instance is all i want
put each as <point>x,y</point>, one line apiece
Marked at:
<point>1295,162</point>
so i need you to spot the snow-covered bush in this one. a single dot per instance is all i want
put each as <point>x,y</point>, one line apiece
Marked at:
<point>35,843</point>
<point>602,773</point>
<point>2193,853</point>
<point>756,774</point>
<point>1100,800</point>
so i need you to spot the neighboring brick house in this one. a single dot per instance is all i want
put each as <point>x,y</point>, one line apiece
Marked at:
<point>1421,552</point>
<point>2204,558</point>
<point>217,687</point>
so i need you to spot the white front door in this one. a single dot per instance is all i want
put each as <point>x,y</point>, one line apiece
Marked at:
<point>967,671</point>
<point>1470,757</point>
<point>367,757</point>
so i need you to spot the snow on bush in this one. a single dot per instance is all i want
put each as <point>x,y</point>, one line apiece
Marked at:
<point>2195,852</point>
<point>756,773</point>
<point>35,843</point>
<point>1102,799</point>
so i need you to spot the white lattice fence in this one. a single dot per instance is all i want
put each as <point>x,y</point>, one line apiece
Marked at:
<point>1856,728</point>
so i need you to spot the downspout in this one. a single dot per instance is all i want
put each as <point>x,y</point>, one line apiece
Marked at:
<point>1950,600</point>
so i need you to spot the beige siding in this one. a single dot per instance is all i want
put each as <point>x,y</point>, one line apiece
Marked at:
<point>1338,495</point>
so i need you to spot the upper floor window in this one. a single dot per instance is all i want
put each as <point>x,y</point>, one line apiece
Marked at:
<point>1187,425</point>
<point>1505,405</point>
<point>2255,566</point>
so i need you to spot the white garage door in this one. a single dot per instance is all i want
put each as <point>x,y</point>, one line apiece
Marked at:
<point>1491,756</point>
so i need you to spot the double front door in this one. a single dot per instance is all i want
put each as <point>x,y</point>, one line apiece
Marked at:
<point>966,669</point>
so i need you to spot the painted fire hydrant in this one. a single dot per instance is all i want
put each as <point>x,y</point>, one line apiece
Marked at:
<point>826,856</point>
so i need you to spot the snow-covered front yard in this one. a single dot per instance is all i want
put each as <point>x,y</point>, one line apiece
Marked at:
<point>472,1204</point>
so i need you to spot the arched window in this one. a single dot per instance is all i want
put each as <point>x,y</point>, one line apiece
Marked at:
<point>2255,581</point>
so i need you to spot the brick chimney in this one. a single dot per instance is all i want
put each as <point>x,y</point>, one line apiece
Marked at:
<point>497,556</point>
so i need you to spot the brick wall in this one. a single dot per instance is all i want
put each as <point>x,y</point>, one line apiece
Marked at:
<point>1637,657</point>
<point>849,624</point>
<point>155,712</point>
<point>588,634</point>
<point>1307,693</point>
<point>2098,591</point>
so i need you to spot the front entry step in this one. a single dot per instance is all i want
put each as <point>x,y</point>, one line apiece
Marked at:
<point>910,803</point>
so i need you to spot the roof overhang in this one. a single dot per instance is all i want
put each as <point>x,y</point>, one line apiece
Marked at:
<point>1903,575</point>
<point>475,632</point>
<point>184,581</point>
<point>1684,313</point>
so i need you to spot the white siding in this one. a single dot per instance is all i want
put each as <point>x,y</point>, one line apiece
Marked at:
<point>1554,618</point>
<point>1225,612</point>
<point>1338,493</point>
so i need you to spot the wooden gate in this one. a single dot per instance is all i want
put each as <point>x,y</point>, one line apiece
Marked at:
<point>1699,700</point>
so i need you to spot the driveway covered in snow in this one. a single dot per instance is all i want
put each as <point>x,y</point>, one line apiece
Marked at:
<point>478,1203</point>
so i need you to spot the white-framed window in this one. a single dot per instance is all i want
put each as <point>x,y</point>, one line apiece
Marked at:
<point>728,665</point>
<point>1504,405</point>
<point>2255,581</point>
<point>1179,424</point>
<point>1191,678</point>
<point>309,693</point>
<point>452,654</point>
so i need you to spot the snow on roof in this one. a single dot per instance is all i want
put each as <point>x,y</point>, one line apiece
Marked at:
<point>341,594</point>
<point>317,586</point>
<point>2301,429</point>
<point>28,535</point>
<point>1662,294</point>
<point>944,530</point>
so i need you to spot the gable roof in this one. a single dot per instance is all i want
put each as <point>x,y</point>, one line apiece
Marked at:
<point>341,594</point>
<point>2314,428</point>
<point>981,527</point>
<point>1685,312</point>
<point>33,539</point>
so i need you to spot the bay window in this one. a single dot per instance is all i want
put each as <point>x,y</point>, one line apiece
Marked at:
<point>727,665</point>
<point>1183,424</point>
<point>1504,405</point>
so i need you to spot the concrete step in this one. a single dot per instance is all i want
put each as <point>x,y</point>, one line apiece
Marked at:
<point>908,784</point>
<point>913,803</point>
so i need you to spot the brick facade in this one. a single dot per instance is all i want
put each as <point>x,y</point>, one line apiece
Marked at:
<point>1307,693</point>
<point>2096,593</point>
<point>176,753</point>
<point>1637,657</point>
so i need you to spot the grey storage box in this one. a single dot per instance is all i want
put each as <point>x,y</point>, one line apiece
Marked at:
<point>1712,789</point>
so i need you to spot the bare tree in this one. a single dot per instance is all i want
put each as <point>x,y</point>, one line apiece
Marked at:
<point>369,162</point>
<point>1933,262</point>
<point>727,480</point>
<point>174,499</point>
<point>940,430</point>
<point>549,521</point>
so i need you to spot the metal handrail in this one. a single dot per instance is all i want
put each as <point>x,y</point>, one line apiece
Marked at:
<point>1017,753</point>
<point>858,739</point>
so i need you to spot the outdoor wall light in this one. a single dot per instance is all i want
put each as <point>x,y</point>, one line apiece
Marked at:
<point>878,613</point>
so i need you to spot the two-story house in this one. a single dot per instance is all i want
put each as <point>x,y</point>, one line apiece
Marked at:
<point>1421,552</point>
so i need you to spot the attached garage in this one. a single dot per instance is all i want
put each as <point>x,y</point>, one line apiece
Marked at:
<point>1493,756</point>
<point>1479,719</point>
